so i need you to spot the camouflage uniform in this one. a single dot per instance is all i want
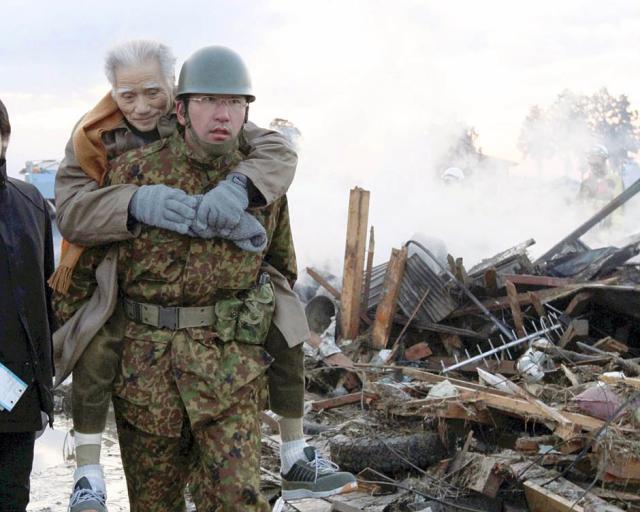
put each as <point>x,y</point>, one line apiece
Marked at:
<point>208,383</point>
<point>95,371</point>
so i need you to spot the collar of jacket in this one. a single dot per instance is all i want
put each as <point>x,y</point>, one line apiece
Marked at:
<point>3,173</point>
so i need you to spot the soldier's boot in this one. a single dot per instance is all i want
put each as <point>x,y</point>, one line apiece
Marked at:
<point>315,477</point>
<point>89,493</point>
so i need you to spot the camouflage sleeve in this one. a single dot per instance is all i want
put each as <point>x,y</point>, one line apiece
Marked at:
<point>83,284</point>
<point>281,253</point>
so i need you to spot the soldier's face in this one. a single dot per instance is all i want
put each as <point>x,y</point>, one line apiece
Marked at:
<point>142,94</point>
<point>213,122</point>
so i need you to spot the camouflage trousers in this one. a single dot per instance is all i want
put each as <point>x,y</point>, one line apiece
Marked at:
<point>187,407</point>
<point>220,462</point>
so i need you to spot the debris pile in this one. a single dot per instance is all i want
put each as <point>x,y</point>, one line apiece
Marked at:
<point>513,385</point>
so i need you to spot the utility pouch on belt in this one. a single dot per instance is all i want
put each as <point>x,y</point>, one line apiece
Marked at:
<point>247,318</point>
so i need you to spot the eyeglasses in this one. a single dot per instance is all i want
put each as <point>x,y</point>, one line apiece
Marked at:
<point>213,102</point>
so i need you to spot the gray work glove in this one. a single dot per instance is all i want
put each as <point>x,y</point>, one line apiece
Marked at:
<point>248,235</point>
<point>163,207</point>
<point>222,207</point>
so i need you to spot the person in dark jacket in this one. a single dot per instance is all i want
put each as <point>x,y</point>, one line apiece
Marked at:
<point>26,324</point>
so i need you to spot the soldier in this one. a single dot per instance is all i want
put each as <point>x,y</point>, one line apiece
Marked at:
<point>135,113</point>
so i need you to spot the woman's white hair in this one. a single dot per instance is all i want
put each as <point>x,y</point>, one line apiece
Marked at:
<point>137,52</point>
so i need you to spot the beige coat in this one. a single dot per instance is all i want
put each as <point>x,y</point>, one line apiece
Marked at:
<point>89,215</point>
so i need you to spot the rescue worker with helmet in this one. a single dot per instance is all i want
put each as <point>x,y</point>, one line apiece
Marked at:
<point>601,183</point>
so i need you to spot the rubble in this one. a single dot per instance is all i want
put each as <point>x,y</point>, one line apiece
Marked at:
<point>512,386</point>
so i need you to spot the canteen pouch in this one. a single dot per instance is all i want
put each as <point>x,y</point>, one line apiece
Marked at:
<point>247,318</point>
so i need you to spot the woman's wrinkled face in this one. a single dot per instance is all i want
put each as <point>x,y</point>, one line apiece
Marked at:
<point>142,94</point>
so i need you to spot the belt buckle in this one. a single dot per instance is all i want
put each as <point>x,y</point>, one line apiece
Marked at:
<point>168,318</point>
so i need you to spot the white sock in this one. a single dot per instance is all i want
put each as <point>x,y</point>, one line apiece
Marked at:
<point>87,448</point>
<point>290,452</point>
<point>93,473</point>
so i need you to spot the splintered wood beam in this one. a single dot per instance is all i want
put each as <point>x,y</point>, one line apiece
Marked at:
<point>389,300</point>
<point>578,304</point>
<point>367,278</point>
<point>323,282</point>
<point>529,280</point>
<point>354,262</point>
<point>339,401</point>
<point>540,499</point>
<point>336,294</point>
<point>516,312</point>
<point>491,282</point>
<point>537,305</point>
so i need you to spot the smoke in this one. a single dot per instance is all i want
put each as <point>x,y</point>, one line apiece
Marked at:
<point>378,111</point>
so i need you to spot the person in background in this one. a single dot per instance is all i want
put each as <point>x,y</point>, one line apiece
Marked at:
<point>26,323</point>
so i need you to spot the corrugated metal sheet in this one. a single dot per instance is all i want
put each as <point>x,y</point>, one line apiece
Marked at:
<point>418,277</point>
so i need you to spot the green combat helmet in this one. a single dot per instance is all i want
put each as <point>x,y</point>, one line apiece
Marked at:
<point>215,70</point>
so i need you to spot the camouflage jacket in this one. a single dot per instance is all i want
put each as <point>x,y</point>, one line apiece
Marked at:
<point>165,268</point>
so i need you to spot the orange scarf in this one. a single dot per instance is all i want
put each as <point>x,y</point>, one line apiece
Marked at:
<point>92,158</point>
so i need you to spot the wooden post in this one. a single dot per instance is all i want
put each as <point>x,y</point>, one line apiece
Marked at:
<point>367,277</point>
<point>516,312</point>
<point>389,300</point>
<point>354,262</point>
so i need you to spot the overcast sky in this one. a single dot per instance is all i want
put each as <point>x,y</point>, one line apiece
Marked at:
<point>367,82</point>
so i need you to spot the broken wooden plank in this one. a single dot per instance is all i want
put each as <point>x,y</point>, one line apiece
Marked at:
<point>532,443</point>
<point>491,282</point>
<point>389,301</point>
<point>537,305</point>
<point>516,312</point>
<point>610,344</point>
<point>531,280</point>
<point>522,408</point>
<point>315,275</point>
<point>538,404</point>
<point>339,401</point>
<point>571,435</point>
<point>369,271</point>
<point>616,379</point>
<point>572,377</point>
<point>482,474</point>
<point>323,282</point>
<point>540,499</point>
<point>524,299</point>
<point>436,379</point>
<point>354,262</point>
<point>418,351</point>
<point>578,304</point>
<point>551,482</point>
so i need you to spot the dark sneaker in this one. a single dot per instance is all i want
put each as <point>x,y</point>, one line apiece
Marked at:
<point>84,497</point>
<point>315,477</point>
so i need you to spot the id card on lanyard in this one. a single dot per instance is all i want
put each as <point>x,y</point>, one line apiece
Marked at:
<point>11,388</point>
